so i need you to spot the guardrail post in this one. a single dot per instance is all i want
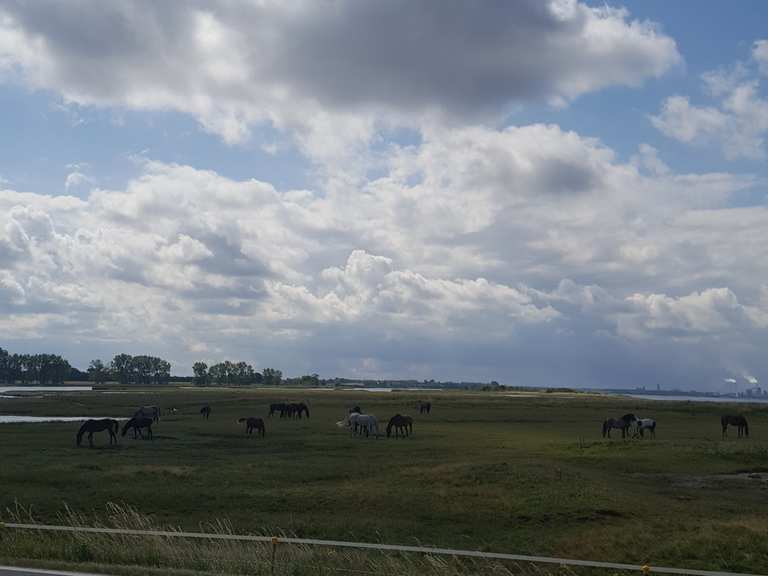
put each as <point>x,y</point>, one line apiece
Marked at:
<point>275,541</point>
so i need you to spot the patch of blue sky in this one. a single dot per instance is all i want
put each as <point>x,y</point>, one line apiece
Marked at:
<point>43,140</point>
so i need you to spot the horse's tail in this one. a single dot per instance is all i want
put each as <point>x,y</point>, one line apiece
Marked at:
<point>389,429</point>
<point>746,428</point>
<point>605,427</point>
<point>125,428</point>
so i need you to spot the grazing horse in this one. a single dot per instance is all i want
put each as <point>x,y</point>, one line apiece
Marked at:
<point>137,424</point>
<point>301,408</point>
<point>279,407</point>
<point>152,412</point>
<point>645,424</point>
<point>424,407</point>
<point>252,424</point>
<point>402,425</point>
<point>205,411</point>
<point>92,426</point>
<point>739,421</point>
<point>295,410</point>
<point>623,424</point>
<point>363,424</point>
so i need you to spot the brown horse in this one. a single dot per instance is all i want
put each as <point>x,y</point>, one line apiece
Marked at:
<point>624,423</point>
<point>424,407</point>
<point>739,421</point>
<point>252,424</point>
<point>402,425</point>
<point>295,410</point>
<point>137,423</point>
<point>92,426</point>
<point>278,407</point>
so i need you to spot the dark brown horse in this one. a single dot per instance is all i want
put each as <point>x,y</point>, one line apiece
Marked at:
<point>424,407</point>
<point>205,411</point>
<point>739,421</point>
<point>402,425</point>
<point>91,426</point>
<point>148,412</point>
<point>252,424</point>
<point>278,407</point>
<point>623,424</point>
<point>296,410</point>
<point>137,424</point>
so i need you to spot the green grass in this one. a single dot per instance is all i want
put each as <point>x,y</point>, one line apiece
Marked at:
<point>522,474</point>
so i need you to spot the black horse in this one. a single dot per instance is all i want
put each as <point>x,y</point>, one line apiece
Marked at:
<point>402,425</point>
<point>278,407</point>
<point>424,407</point>
<point>92,426</point>
<point>205,411</point>
<point>623,423</point>
<point>252,424</point>
<point>739,421</point>
<point>137,424</point>
<point>295,410</point>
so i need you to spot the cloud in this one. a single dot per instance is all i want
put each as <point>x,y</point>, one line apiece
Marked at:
<point>737,123</point>
<point>760,54</point>
<point>328,76</point>
<point>476,253</point>
<point>711,311</point>
<point>76,179</point>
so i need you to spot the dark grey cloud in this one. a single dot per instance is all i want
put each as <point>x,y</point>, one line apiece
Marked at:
<point>231,63</point>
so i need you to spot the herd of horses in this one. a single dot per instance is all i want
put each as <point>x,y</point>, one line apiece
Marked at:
<point>359,423</point>
<point>292,410</point>
<point>631,424</point>
<point>143,418</point>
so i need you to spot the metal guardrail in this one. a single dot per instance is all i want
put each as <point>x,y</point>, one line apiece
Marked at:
<point>275,540</point>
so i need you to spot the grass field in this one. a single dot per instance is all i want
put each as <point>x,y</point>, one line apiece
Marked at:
<point>522,474</point>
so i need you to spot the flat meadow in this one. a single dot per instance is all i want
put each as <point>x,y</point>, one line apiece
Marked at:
<point>503,472</point>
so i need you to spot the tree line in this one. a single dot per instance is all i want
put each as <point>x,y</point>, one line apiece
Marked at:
<point>127,369</point>
<point>228,372</point>
<point>142,369</point>
<point>40,368</point>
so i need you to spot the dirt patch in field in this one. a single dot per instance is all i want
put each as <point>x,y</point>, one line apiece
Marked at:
<point>734,480</point>
<point>164,469</point>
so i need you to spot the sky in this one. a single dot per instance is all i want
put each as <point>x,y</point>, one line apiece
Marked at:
<point>539,193</point>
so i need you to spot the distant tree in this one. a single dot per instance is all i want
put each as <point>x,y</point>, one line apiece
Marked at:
<point>215,373</point>
<point>310,380</point>
<point>5,366</point>
<point>200,369</point>
<point>161,370</point>
<point>97,371</point>
<point>272,376</point>
<point>121,367</point>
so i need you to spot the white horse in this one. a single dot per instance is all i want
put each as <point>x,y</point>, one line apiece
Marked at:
<point>645,424</point>
<point>361,424</point>
<point>367,423</point>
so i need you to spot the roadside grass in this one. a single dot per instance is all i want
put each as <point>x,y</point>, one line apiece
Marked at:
<point>529,475</point>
